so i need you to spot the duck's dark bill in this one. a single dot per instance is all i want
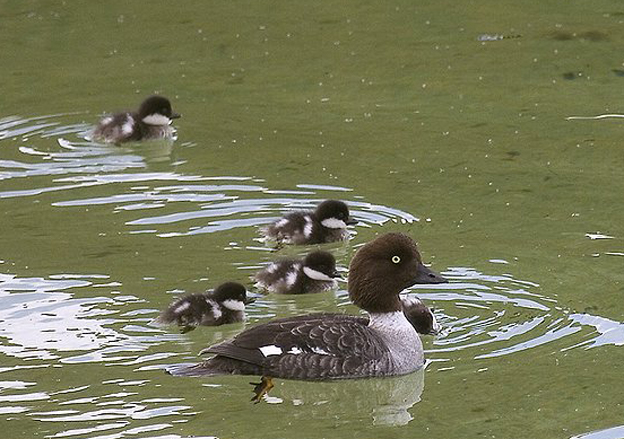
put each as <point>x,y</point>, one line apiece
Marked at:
<point>428,276</point>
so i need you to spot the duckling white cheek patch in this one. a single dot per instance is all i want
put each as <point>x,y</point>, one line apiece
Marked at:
<point>234,305</point>
<point>156,119</point>
<point>269,350</point>
<point>334,223</point>
<point>316,275</point>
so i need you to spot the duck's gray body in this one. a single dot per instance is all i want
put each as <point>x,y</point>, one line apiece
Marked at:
<point>318,347</point>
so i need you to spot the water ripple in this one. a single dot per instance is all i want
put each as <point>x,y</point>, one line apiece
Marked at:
<point>608,433</point>
<point>489,315</point>
<point>495,315</point>
<point>61,325</point>
<point>192,205</point>
<point>79,319</point>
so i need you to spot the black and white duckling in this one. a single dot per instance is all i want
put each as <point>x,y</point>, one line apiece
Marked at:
<point>420,315</point>
<point>327,223</point>
<point>313,274</point>
<point>336,346</point>
<point>151,121</point>
<point>225,304</point>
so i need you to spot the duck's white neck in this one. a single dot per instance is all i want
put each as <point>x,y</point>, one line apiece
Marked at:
<point>401,340</point>
<point>390,322</point>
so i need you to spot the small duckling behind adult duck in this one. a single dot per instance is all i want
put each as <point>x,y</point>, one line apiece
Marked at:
<point>420,315</point>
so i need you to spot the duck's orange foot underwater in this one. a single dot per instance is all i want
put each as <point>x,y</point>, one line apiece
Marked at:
<point>262,388</point>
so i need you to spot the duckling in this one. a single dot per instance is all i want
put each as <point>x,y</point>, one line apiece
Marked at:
<point>313,274</point>
<point>226,304</point>
<point>151,121</point>
<point>327,223</point>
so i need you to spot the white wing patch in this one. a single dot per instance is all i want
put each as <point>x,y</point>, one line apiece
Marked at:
<point>320,351</point>
<point>181,307</point>
<point>307,229</point>
<point>157,119</point>
<point>317,350</point>
<point>271,268</point>
<point>291,278</point>
<point>216,310</point>
<point>126,128</point>
<point>334,223</point>
<point>271,349</point>
<point>281,223</point>
<point>106,120</point>
<point>316,275</point>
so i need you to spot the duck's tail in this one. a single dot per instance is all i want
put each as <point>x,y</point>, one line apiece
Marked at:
<point>215,366</point>
<point>194,370</point>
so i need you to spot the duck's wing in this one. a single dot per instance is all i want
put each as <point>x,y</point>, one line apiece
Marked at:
<point>321,346</point>
<point>117,128</point>
<point>274,274</point>
<point>290,229</point>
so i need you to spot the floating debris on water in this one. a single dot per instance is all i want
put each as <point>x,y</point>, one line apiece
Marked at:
<point>496,37</point>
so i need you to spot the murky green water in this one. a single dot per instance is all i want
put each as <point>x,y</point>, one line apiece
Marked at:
<point>396,108</point>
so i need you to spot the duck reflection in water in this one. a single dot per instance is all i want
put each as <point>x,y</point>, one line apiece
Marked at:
<point>384,401</point>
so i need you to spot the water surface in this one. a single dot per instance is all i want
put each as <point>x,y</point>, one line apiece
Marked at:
<point>404,111</point>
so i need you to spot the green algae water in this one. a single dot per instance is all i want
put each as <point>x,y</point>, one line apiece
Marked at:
<point>447,121</point>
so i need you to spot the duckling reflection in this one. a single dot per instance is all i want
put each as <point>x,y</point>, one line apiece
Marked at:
<point>155,151</point>
<point>383,401</point>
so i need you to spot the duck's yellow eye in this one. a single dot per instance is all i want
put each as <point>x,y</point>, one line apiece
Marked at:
<point>396,259</point>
